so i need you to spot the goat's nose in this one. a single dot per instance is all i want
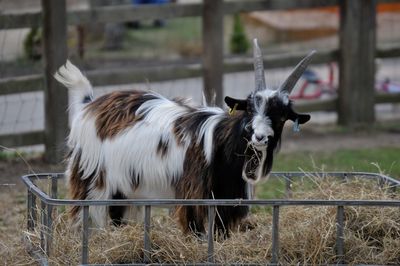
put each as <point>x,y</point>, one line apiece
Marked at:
<point>259,137</point>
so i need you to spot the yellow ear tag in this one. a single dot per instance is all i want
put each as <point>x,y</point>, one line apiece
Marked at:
<point>233,110</point>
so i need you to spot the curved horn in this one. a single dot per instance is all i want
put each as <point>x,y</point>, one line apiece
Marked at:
<point>258,67</point>
<point>290,82</point>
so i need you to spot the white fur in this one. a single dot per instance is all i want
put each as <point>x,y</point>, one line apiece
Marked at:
<point>266,94</point>
<point>207,131</point>
<point>79,86</point>
<point>83,138</point>
<point>132,151</point>
<point>261,127</point>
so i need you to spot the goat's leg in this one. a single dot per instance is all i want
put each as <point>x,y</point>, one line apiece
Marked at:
<point>99,213</point>
<point>190,220</point>
<point>221,223</point>
<point>117,212</point>
<point>195,218</point>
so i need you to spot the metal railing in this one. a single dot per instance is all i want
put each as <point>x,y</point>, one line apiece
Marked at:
<point>49,200</point>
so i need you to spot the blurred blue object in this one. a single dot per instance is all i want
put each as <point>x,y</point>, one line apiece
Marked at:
<point>157,22</point>
<point>140,2</point>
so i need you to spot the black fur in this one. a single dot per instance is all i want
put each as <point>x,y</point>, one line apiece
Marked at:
<point>117,212</point>
<point>227,172</point>
<point>162,147</point>
<point>87,99</point>
<point>232,152</point>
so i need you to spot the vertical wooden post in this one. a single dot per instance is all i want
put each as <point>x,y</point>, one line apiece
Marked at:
<point>55,95</point>
<point>357,67</point>
<point>213,53</point>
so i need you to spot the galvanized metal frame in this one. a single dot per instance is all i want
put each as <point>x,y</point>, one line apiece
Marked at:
<point>47,204</point>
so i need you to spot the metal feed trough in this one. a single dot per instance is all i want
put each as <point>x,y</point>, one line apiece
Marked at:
<point>47,201</point>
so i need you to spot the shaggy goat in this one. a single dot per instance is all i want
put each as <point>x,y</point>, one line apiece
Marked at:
<point>138,144</point>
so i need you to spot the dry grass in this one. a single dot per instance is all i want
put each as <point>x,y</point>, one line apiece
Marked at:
<point>307,234</point>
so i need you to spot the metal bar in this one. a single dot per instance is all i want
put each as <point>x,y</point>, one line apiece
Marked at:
<point>147,241</point>
<point>85,235</point>
<point>211,221</point>
<point>223,202</point>
<point>54,186</point>
<point>288,186</point>
<point>34,210</point>
<point>27,178</point>
<point>49,230</point>
<point>340,234</point>
<point>275,235</point>
<point>43,221</point>
<point>220,202</point>
<point>30,222</point>
<point>49,220</point>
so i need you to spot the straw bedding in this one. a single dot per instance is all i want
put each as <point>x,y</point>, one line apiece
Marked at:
<point>307,234</point>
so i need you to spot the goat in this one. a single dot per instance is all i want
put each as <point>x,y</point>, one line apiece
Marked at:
<point>141,145</point>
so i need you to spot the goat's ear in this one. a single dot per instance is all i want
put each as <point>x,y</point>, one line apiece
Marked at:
<point>302,118</point>
<point>240,104</point>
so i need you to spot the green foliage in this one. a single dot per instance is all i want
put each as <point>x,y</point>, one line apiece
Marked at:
<point>33,44</point>
<point>274,188</point>
<point>8,155</point>
<point>238,42</point>
<point>179,37</point>
<point>374,160</point>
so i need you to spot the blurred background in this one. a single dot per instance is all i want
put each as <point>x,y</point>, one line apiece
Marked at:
<point>184,47</point>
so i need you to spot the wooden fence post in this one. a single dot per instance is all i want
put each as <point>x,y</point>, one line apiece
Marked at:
<point>213,53</point>
<point>55,95</point>
<point>356,61</point>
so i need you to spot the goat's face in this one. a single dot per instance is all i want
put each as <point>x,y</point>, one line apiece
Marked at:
<point>268,110</point>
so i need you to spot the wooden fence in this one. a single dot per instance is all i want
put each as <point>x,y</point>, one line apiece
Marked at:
<point>357,48</point>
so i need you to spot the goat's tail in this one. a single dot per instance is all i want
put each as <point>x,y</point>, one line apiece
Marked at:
<point>81,89</point>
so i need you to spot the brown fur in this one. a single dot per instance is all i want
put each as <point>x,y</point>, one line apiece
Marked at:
<point>78,188</point>
<point>194,184</point>
<point>115,112</point>
<point>100,181</point>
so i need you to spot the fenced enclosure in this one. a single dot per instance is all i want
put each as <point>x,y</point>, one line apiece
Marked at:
<point>33,107</point>
<point>42,204</point>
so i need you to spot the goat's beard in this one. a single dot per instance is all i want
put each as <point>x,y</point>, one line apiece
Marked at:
<point>252,168</point>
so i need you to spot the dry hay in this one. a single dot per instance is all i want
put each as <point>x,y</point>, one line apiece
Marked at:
<point>307,234</point>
